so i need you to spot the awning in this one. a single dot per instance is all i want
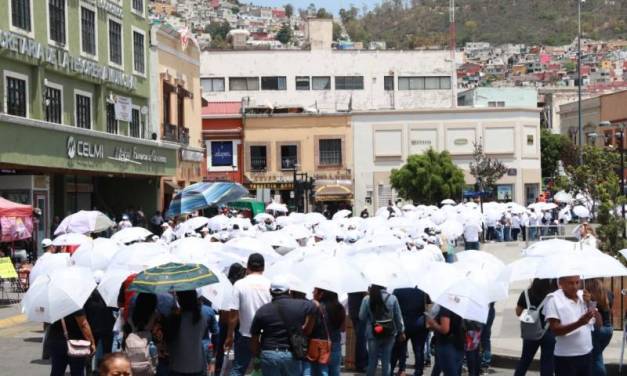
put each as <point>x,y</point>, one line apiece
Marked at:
<point>334,192</point>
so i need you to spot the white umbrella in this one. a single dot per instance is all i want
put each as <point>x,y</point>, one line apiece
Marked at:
<point>131,234</point>
<point>283,221</point>
<point>192,249</point>
<point>48,263</point>
<point>564,197</point>
<point>581,211</point>
<point>335,274</point>
<point>219,294</point>
<point>245,246</point>
<point>281,241</point>
<point>297,218</point>
<point>261,217</point>
<point>70,239</point>
<point>193,224</point>
<point>96,255</point>
<point>58,294</point>
<point>548,247</point>
<point>438,217</point>
<point>471,204</point>
<point>344,213</point>
<point>139,256</point>
<point>408,208</point>
<point>314,218</point>
<point>377,244</point>
<point>219,222</point>
<point>587,263</point>
<point>277,207</point>
<point>485,269</point>
<point>383,271</point>
<point>452,229</point>
<point>84,222</point>
<point>297,231</point>
<point>110,283</point>
<point>448,201</point>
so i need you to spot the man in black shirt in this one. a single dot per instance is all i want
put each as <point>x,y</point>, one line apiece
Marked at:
<point>269,330</point>
<point>413,303</point>
<point>359,327</point>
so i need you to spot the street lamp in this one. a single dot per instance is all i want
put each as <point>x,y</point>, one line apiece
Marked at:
<point>621,150</point>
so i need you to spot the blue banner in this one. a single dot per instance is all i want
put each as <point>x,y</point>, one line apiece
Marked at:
<point>221,153</point>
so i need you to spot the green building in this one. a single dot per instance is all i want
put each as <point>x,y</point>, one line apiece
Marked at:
<point>74,116</point>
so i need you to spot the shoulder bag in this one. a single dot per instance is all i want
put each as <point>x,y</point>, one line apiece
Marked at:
<point>76,348</point>
<point>297,339</point>
<point>319,350</point>
<point>530,324</point>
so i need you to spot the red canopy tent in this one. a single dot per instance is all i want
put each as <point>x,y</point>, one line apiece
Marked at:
<point>16,221</point>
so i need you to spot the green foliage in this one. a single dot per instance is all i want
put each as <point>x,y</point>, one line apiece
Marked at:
<point>486,169</point>
<point>323,13</point>
<point>570,66</point>
<point>612,224</point>
<point>428,178</point>
<point>337,31</point>
<point>289,10</point>
<point>553,148</point>
<point>285,34</point>
<point>218,30</point>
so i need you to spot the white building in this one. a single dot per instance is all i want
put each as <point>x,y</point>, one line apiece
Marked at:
<point>382,141</point>
<point>330,80</point>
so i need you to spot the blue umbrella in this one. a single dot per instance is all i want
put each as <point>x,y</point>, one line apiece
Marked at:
<point>203,195</point>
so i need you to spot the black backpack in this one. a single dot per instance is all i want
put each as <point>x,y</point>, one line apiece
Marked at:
<point>299,343</point>
<point>383,327</point>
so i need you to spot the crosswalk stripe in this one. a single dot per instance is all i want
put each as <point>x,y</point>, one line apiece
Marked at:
<point>13,320</point>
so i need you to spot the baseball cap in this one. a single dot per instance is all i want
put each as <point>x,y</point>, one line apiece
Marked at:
<point>255,260</point>
<point>46,243</point>
<point>279,285</point>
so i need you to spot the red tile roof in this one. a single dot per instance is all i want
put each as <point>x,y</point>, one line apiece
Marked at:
<point>222,108</point>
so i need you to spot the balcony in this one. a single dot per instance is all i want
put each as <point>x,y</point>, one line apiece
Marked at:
<point>173,133</point>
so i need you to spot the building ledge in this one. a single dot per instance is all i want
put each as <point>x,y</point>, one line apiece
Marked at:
<point>85,132</point>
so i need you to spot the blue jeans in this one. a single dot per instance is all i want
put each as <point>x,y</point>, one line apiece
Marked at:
<point>241,356</point>
<point>471,246</point>
<point>473,361</point>
<point>507,233</point>
<point>331,369</point>
<point>499,234</point>
<point>601,337</point>
<point>418,339</point>
<point>59,360</point>
<point>219,352</point>
<point>486,334</point>
<point>279,363</point>
<point>380,349</point>
<point>448,360</point>
<point>546,345</point>
<point>361,351</point>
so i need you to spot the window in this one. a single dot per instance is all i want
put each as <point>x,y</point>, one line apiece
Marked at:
<point>302,83</point>
<point>243,83</point>
<point>321,83</point>
<point>88,31</point>
<point>496,104</point>
<point>56,20</point>
<point>167,102</point>
<point>21,14</point>
<point>180,108</point>
<point>289,156</point>
<point>273,83</point>
<point>135,124</point>
<point>53,102</point>
<point>388,83</point>
<point>138,53</point>
<point>138,6</point>
<point>16,95</point>
<point>411,83</point>
<point>115,42</point>
<point>330,152</point>
<point>349,83</point>
<point>222,154</point>
<point>83,111</point>
<point>212,84</point>
<point>445,83</point>
<point>112,123</point>
<point>258,158</point>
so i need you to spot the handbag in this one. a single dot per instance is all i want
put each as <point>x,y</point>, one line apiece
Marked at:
<point>297,339</point>
<point>383,327</point>
<point>76,348</point>
<point>319,350</point>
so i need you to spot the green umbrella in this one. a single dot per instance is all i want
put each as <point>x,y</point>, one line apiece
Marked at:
<point>173,277</point>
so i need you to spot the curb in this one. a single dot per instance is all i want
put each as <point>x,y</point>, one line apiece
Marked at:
<point>510,362</point>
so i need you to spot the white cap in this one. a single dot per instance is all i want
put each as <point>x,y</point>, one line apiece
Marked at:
<point>46,243</point>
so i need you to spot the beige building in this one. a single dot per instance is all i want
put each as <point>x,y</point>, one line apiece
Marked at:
<point>282,149</point>
<point>176,105</point>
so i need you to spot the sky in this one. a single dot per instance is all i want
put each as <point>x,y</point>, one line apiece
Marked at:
<point>330,5</point>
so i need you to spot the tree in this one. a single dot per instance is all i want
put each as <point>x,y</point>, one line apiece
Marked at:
<point>611,223</point>
<point>285,34</point>
<point>322,13</point>
<point>570,66</point>
<point>428,178</point>
<point>486,170</point>
<point>289,10</point>
<point>555,148</point>
<point>337,31</point>
<point>218,30</point>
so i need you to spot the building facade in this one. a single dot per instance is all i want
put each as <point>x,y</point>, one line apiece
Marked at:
<point>223,131</point>
<point>384,140</point>
<point>176,105</point>
<point>313,150</point>
<point>74,120</point>
<point>499,97</point>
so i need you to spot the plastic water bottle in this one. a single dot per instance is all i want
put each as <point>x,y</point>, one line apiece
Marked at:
<point>152,350</point>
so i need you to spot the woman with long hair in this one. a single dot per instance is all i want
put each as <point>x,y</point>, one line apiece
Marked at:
<point>330,323</point>
<point>184,332</point>
<point>536,294</point>
<point>602,335</point>
<point>384,323</point>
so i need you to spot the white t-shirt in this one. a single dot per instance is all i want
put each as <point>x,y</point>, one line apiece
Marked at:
<point>577,342</point>
<point>249,294</point>
<point>515,221</point>
<point>471,232</point>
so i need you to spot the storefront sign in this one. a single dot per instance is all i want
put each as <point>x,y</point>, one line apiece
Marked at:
<point>420,142</point>
<point>83,149</point>
<point>123,107</point>
<point>192,155</point>
<point>461,141</point>
<point>221,153</point>
<point>89,150</point>
<point>7,270</point>
<point>62,60</point>
<point>133,154</point>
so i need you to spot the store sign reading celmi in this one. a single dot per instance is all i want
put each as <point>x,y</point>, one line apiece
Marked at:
<point>61,59</point>
<point>84,149</point>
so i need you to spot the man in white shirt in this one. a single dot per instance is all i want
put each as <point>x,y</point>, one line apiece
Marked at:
<point>569,319</point>
<point>515,227</point>
<point>471,235</point>
<point>249,294</point>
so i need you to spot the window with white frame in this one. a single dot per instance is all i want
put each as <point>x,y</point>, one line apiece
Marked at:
<point>112,123</point>
<point>424,83</point>
<point>21,14</point>
<point>139,58</point>
<point>16,94</point>
<point>115,42</point>
<point>53,103</point>
<point>302,83</point>
<point>274,83</point>
<point>212,84</point>
<point>88,30</point>
<point>135,127</point>
<point>243,83</point>
<point>82,113</point>
<point>321,83</point>
<point>138,6</point>
<point>56,21</point>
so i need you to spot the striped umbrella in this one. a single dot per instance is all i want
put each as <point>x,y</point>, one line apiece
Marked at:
<point>203,195</point>
<point>173,277</point>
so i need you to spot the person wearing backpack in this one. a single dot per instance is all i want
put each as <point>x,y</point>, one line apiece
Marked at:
<point>473,329</point>
<point>533,327</point>
<point>138,343</point>
<point>449,342</point>
<point>384,324</point>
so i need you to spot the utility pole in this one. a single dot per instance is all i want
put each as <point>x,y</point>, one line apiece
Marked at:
<point>452,47</point>
<point>579,83</point>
